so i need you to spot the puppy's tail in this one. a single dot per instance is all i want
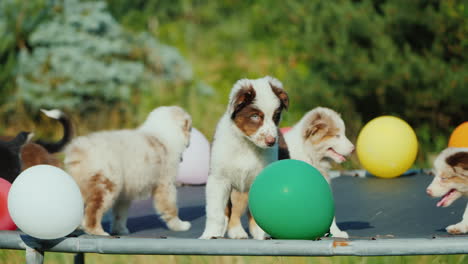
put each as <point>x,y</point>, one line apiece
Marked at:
<point>53,147</point>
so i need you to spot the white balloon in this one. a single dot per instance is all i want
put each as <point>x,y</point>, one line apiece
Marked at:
<point>195,160</point>
<point>45,202</point>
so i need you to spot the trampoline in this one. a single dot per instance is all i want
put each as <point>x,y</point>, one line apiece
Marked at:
<point>382,216</point>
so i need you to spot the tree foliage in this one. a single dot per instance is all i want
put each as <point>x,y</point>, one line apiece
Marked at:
<point>81,58</point>
<point>364,58</point>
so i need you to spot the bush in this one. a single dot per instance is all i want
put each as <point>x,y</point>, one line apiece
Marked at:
<point>82,59</point>
<point>364,58</point>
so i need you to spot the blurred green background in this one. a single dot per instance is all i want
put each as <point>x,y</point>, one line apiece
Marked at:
<point>108,63</point>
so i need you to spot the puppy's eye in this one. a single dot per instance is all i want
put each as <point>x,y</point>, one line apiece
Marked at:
<point>255,117</point>
<point>444,177</point>
<point>337,136</point>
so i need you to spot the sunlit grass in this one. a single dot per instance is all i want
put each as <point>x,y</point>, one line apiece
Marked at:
<point>17,256</point>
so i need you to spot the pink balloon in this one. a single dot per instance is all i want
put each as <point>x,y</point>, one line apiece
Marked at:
<point>6,223</point>
<point>285,130</point>
<point>196,160</point>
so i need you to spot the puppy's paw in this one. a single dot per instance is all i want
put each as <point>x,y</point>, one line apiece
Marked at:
<point>339,233</point>
<point>258,233</point>
<point>176,224</point>
<point>460,228</point>
<point>210,235</point>
<point>97,232</point>
<point>237,232</point>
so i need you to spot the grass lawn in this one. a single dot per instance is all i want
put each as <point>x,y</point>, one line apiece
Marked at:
<point>18,256</point>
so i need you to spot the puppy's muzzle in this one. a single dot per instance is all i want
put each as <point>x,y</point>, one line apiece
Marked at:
<point>270,141</point>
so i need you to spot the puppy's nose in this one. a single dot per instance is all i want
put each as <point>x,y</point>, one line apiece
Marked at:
<point>270,141</point>
<point>353,149</point>
<point>429,192</point>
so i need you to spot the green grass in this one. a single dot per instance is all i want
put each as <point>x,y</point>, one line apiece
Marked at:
<point>17,256</point>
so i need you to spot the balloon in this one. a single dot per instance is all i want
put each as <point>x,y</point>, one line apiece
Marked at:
<point>459,137</point>
<point>387,146</point>
<point>195,160</point>
<point>6,223</point>
<point>285,130</point>
<point>290,199</point>
<point>45,202</point>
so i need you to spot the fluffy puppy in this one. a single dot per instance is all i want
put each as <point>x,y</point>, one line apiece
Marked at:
<point>451,182</point>
<point>318,138</point>
<point>20,153</point>
<point>112,168</point>
<point>245,141</point>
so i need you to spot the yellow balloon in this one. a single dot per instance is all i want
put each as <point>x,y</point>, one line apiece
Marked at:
<point>387,146</point>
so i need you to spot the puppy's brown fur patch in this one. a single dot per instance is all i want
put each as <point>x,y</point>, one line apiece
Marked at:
<point>459,159</point>
<point>236,212</point>
<point>244,97</point>
<point>33,154</point>
<point>244,121</point>
<point>320,128</point>
<point>94,197</point>
<point>161,194</point>
<point>282,95</point>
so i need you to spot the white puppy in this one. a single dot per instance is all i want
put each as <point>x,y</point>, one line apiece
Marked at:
<point>245,141</point>
<point>112,168</point>
<point>451,182</point>
<point>318,138</point>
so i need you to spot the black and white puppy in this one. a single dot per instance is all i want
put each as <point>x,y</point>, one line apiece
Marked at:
<point>20,152</point>
<point>245,142</point>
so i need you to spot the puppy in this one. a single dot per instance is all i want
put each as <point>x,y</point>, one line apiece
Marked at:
<point>451,182</point>
<point>20,153</point>
<point>10,162</point>
<point>245,141</point>
<point>318,138</point>
<point>40,151</point>
<point>112,168</point>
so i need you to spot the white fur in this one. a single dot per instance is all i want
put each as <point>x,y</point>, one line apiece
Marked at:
<point>54,113</point>
<point>133,166</point>
<point>452,181</point>
<point>319,155</point>
<point>236,158</point>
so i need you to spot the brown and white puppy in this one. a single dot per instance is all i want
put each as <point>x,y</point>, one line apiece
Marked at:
<point>318,138</point>
<point>245,141</point>
<point>451,182</point>
<point>112,168</point>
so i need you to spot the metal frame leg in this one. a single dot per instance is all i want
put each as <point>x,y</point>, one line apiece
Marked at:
<point>79,258</point>
<point>34,256</point>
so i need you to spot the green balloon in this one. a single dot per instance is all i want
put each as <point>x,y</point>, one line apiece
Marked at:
<point>290,199</point>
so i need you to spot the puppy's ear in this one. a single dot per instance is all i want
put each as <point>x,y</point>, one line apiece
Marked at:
<point>243,97</point>
<point>315,126</point>
<point>20,139</point>
<point>459,163</point>
<point>281,94</point>
<point>315,129</point>
<point>187,125</point>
